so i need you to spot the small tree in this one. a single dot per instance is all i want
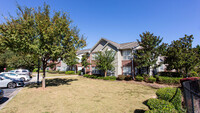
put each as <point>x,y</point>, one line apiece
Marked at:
<point>151,48</point>
<point>181,55</point>
<point>104,61</point>
<point>71,60</point>
<point>84,61</point>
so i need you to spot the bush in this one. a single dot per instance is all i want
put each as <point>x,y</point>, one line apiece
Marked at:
<point>109,78</point>
<point>172,95</point>
<point>145,76</point>
<point>162,111</point>
<point>61,72</point>
<point>169,80</point>
<point>128,77</point>
<point>139,78</point>
<point>69,72</point>
<point>36,69</point>
<point>79,73</point>
<point>151,79</point>
<point>52,72</point>
<point>121,77</point>
<point>193,74</point>
<point>171,74</point>
<point>159,104</point>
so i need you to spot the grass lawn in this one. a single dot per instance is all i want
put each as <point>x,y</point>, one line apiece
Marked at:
<point>48,74</point>
<point>81,95</point>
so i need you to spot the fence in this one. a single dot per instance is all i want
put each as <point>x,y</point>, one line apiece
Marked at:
<point>192,96</point>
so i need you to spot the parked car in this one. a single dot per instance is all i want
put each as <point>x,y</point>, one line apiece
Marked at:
<point>21,72</point>
<point>22,77</point>
<point>1,94</point>
<point>9,82</point>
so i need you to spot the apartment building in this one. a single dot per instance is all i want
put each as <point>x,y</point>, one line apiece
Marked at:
<point>124,60</point>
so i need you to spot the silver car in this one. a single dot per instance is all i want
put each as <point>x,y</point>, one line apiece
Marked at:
<point>21,72</point>
<point>9,82</point>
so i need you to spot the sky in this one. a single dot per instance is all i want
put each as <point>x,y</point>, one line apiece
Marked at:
<point>123,20</point>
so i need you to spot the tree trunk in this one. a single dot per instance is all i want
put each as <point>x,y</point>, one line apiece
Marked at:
<point>85,70</point>
<point>38,71</point>
<point>43,80</point>
<point>105,73</point>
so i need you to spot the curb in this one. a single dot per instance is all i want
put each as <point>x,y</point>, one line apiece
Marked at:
<point>11,96</point>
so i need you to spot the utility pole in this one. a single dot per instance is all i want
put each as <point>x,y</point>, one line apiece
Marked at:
<point>38,71</point>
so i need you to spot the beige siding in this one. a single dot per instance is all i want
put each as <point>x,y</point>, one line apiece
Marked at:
<point>99,46</point>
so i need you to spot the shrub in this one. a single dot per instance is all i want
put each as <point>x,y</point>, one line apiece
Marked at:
<point>169,80</point>
<point>139,78</point>
<point>79,73</point>
<point>171,74</point>
<point>36,69</point>
<point>151,79</point>
<point>172,95</point>
<point>159,104</point>
<point>121,77</point>
<point>193,74</point>
<point>109,78</point>
<point>145,76</point>
<point>69,72</point>
<point>52,72</point>
<point>128,77</point>
<point>61,72</point>
<point>162,111</point>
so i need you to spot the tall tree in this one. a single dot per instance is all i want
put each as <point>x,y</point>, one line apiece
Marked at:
<point>151,48</point>
<point>181,55</point>
<point>84,61</point>
<point>104,61</point>
<point>35,32</point>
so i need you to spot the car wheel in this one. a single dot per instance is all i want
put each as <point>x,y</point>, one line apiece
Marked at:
<point>11,85</point>
<point>23,79</point>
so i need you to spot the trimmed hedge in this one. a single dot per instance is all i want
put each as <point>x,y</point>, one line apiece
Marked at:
<point>139,78</point>
<point>172,95</point>
<point>69,72</point>
<point>112,78</point>
<point>36,69</point>
<point>159,104</point>
<point>162,111</point>
<point>151,79</point>
<point>169,80</point>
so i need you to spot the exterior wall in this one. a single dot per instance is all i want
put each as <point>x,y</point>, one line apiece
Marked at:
<point>100,46</point>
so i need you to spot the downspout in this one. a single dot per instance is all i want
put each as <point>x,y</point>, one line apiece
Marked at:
<point>132,66</point>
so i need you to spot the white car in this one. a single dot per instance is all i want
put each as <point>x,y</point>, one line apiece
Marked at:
<point>9,82</point>
<point>22,77</point>
<point>21,72</point>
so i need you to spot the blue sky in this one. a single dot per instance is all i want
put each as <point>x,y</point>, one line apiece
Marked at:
<point>123,20</point>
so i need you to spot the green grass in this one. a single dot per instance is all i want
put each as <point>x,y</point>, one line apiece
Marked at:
<point>81,95</point>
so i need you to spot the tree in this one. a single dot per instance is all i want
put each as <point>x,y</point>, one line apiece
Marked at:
<point>84,61</point>
<point>151,48</point>
<point>104,61</point>
<point>47,37</point>
<point>72,60</point>
<point>181,55</point>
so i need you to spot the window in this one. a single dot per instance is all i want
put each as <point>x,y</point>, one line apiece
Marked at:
<point>24,71</point>
<point>126,54</point>
<point>93,56</point>
<point>127,70</point>
<point>95,70</point>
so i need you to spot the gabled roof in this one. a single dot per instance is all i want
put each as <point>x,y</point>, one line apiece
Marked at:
<point>128,45</point>
<point>83,51</point>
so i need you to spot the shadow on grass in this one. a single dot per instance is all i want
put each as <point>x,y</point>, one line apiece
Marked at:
<point>141,110</point>
<point>52,82</point>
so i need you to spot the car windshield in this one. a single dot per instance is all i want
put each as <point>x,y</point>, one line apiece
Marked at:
<point>3,76</point>
<point>12,71</point>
